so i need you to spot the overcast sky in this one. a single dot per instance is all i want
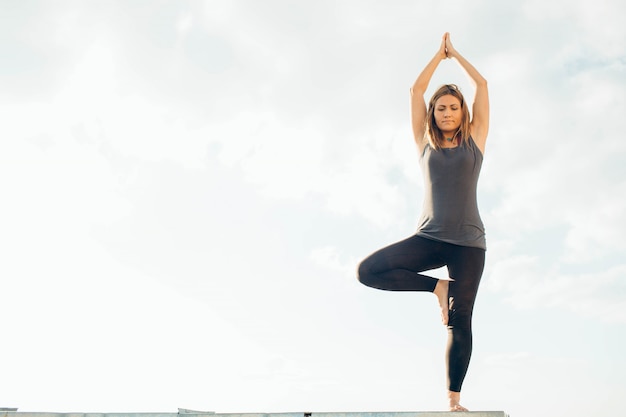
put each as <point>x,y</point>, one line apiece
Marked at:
<point>188,186</point>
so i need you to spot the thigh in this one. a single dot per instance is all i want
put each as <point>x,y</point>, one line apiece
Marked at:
<point>414,254</point>
<point>465,265</point>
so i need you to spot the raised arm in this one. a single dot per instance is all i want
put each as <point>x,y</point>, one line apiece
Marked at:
<point>418,105</point>
<point>480,109</point>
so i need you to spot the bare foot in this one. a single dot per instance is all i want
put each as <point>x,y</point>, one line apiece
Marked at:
<point>458,407</point>
<point>454,398</point>
<point>441,292</point>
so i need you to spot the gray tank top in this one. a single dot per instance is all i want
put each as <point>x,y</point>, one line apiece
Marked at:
<point>450,212</point>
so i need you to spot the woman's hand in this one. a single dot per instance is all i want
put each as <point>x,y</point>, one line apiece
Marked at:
<point>443,52</point>
<point>450,51</point>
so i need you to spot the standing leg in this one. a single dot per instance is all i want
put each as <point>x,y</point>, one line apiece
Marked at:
<point>466,267</point>
<point>396,267</point>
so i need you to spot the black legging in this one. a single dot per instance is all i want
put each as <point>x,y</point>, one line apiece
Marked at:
<point>396,267</point>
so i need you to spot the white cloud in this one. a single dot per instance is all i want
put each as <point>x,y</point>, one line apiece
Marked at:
<point>596,230</point>
<point>53,184</point>
<point>184,23</point>
<point>512,376</point>
<point>293,162</point>
<point>82,320</point>
<point>552,170</point>
<point>527,283</point>
<point>331,258</point>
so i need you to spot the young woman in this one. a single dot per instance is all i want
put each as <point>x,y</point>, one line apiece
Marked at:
<point>450,231</point>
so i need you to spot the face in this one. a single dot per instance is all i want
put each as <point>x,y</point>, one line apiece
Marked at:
<point>448,114</point>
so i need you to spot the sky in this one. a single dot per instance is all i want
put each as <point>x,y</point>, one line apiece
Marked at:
<point>188,187</point>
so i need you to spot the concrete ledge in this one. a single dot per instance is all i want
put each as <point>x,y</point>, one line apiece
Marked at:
<point>415,414</point>
<point>189,413</point>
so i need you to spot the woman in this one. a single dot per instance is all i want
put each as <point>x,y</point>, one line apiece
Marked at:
<point>450,231</point>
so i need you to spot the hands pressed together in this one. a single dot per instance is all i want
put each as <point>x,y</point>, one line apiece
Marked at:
<point>446,50</point>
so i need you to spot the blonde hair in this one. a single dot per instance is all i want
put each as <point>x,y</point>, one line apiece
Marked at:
<point>432,132</point>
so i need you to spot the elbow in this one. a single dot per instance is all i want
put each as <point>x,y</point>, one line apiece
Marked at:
<point>417,91</point>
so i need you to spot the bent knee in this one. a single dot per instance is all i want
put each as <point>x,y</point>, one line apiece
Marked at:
<point>363,274</point>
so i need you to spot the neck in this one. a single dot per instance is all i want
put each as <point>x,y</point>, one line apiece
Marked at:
<point>450,136</point>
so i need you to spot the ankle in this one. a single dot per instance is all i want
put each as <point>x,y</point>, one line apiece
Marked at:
<point>454,397</point>
<point>441,288</point>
